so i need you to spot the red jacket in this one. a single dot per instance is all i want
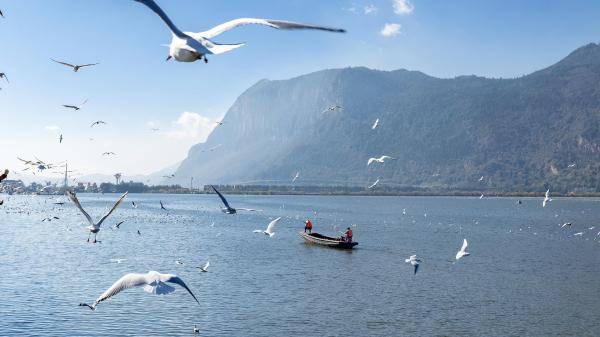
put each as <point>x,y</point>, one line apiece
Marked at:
<point>308,224</point>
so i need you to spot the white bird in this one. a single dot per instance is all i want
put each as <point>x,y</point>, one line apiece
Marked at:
<point>481,179</point>
<point>571,165</point>
<point>413,260</point>
<point>463,250</point>
<point>375,125</point>
<point>566,224</point>
<point>296,176</point>
<point>381,159</point>
<point>153,282</point>
<point>117,260</point>
<point>269,230</point>
<point>547,198</point>
<point>190,47</point>
<point>578,234</point>
<point>205,268</point>
<point>94,227</point>
<point>196,329</point>
<point>481,196</point>
<point>374,184</point>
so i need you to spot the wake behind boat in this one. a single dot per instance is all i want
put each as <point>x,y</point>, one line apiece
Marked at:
<point>323,240</point>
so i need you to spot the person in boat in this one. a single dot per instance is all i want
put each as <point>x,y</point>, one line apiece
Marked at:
<point>308,226</point>
<point>348,235</point>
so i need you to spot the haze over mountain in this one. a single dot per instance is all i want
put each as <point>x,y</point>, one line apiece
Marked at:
<point>521,134</point>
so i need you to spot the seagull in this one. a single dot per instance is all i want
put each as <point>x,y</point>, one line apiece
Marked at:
<point>481,196</point>
<point>162,206</point>
<point>463,250</point>
<point>332,108</point>
<point>1,14</point>
<point>3,75</point>
<point>153,283</point>
<point>117,260</point>
<point>220,123</point>
<point>94,227</point>
<point>570,165</point>
<point>481,179</point>
<point>74,66</point>
<point>75,107</point>
<point>118,225</point>
<point>296,176</point>
<point>566,224</point>
<point>228,209</point>
<point>196,329</point>
<point>178,262</point>
<point>413,260</point>
<point>269,230</point>
<point>205,268</point>
<point>547,198</point>
<point>140,234</point>
<point>578,234</point>
<point>190,47</point>
<point>374,184</point>
<point>133,204</point>
<point>109,153</point>
<point>60,139</point>
<point>4,175</point>
<point>375,125</point>
<point>50,218</point>
<point>97,123</point>
<point>169,176</point>
<point>381,159</point>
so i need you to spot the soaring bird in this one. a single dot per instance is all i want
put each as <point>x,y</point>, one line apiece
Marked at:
<point>269,230</point>
<point>60,138</point>
<point>97,123</point>
<point>109,153</point>
<point>205,268</point>
<point>547,198</point>
<point>332,108</point>
<point>481,178</point>
<point>414,261</point>
<point>228,209</point>
<point>153,283</point>
<point>381,159</point>
<point>190,47</point>
<point>463,250</point>
<point>133,204</point>
<point>162,206</point>
<point>94,227</point>
<point>296,176</point>
<point>75,67</point>
<point>566,224</point>
<point>118,225</point>
<point>75,107</point>
<point>169,176</point>
<point>3,75</point>
<point>375,125</point>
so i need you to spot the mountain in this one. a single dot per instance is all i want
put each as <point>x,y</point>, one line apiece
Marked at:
<point>521,134</point>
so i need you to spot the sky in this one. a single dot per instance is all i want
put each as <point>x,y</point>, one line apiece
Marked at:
<point>134,90</point>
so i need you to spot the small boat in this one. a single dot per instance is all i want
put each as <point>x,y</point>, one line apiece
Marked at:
<point>323,240</point>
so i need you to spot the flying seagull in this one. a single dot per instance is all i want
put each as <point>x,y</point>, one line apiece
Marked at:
<point>296,176</point>
<point>153,283</point>
<point>375,125</point>
<point>162,206</point>
<point>60,138</point>
<point>332,108</point>
<point>94,227</point>
<point>481,179</point>
<point>205,268</point>
<point>566,224</point>
<point>4,175</point>
<point>374,184</point>
<point>75,107</point>
<point>269,230</point>
<point>75,67</point>
<point>190,47</point>
<point>97,123</point>
<point>133,204</point>
<point>109,153</point>
<point>547,198</point>
<point>463,250</point>
<point>381,159</point>
<point>1,14</point>
<point>3,75</point>
<point>169,176</point>
<point>414,261</point>
<point>118,225</point>
<point>228,209</point>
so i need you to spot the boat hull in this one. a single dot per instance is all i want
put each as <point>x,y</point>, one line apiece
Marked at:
<point>319,239</point>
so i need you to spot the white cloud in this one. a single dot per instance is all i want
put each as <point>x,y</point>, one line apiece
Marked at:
<point>390,29</point>
<point>350,9</point>
<point>403,7</point>
<point>370,9</point>
<point>192,126</point>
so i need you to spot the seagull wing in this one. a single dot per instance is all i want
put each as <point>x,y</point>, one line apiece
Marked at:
<point>125,282</point>
<point>370,161</point>
<point>249,209</point>
<point>64,63</point>
<point>221,196</point>
<point>4,175</point>
<point>113,208</point>
<point>76,202</point>
<point>464,245</point>
<point>287,25</point>
<point>156,9</point>
<point>175,279</point>
<point>272,225</point>
<point>88,65</point>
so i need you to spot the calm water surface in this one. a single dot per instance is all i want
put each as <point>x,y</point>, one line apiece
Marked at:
<point>525,277</point>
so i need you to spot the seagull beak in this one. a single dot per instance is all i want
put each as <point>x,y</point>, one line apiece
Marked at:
<point>168,58</point>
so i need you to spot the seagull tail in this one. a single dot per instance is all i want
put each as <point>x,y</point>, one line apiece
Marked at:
<point>223,48</point>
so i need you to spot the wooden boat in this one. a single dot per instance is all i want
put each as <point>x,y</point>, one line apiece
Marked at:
<point>323,240</point>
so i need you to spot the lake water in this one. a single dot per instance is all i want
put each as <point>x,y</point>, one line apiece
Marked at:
<point>525,277</point>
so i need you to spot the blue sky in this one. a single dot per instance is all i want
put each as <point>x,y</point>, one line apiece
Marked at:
<point>134,89</point>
